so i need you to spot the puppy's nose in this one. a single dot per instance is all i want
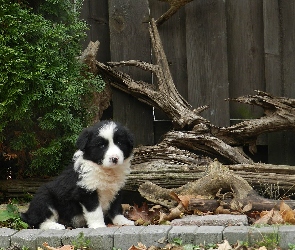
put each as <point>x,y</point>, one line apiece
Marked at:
<point>114,160</point>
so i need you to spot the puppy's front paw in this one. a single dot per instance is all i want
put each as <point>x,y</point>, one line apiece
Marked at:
<point>128,222</point>
<point>58,227</point>
<point>120,220</point>
<point>51,225</point>
<point>96,225</point>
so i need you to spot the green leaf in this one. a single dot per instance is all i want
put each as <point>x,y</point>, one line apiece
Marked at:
<point>12,209</point>
<point>45,100</point>
<point>11,212</point>
<point>177,241</point>
<point>5,215</point>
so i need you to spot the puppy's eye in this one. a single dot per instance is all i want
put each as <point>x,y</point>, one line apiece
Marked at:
<point>98,145</point>
<point>101,145</point>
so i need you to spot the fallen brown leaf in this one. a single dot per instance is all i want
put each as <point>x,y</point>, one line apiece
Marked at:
<point>247,208</point>
<point>277,218</point>
<point>289,217</point>
<point>175,213</point>
<point>185,200</point>
<point>65,247</point>
<point>224,246</point>
<point>174,196</point>
<point>262,248</point>
<point>262,213</point>
<point>222,210</point>
<point>265,217</point>
<point>139,246</point>
<point>284,207</point>
<point>287,213</point>
<point>236,205</point>
<point>143,215</point>
<point>153,248</point>
<point>270,217</point>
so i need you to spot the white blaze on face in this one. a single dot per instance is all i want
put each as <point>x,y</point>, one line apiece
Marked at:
<point>114,154</point>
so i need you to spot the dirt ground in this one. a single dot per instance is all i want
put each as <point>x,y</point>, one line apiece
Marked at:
<point>22,207</point>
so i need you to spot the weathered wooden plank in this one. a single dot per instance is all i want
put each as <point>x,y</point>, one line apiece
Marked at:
<point>273,74</point>
<point>206,50</point>
<point>271,20</point>
<point>95,13</point>
<point>129,39</point>
<point>245,53</point>
<point>260,56</point>
<point>287,13</point>
<point>288,52</point>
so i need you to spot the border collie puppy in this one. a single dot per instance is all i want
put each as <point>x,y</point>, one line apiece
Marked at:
<point>87,191</point>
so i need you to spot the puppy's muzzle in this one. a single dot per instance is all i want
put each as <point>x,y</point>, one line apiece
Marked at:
<point>114,159</point>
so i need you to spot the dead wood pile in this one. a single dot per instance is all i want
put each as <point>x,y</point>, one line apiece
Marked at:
<point>185,153</point>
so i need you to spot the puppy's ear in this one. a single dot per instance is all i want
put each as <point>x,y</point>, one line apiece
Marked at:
<point>83,139</point>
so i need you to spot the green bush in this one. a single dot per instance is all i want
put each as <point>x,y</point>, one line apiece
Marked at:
<point>41,85</point>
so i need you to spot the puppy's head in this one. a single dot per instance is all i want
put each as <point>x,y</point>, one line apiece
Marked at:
<point>106,143</point>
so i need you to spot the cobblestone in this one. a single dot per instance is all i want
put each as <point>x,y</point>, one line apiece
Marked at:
<point>125,237</point>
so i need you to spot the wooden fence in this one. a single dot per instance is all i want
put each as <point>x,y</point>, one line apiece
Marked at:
<point>217,49</point>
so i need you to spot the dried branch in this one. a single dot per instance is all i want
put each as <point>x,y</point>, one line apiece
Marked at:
<point>88,56</point>
<point>163,94</point>
<point>206,144</point>
<point>199,135</point>
<point>217,180</point>
<point>279,114</point>
<point>218,176</point>
<point>97,101</point>
<point>175,5</point>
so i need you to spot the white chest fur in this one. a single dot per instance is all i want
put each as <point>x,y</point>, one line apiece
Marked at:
<point>107,181</point>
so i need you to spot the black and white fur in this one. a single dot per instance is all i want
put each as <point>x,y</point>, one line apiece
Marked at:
<point>87,191</point>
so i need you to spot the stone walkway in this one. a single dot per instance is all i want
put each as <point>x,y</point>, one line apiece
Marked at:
<point>124,237</point>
